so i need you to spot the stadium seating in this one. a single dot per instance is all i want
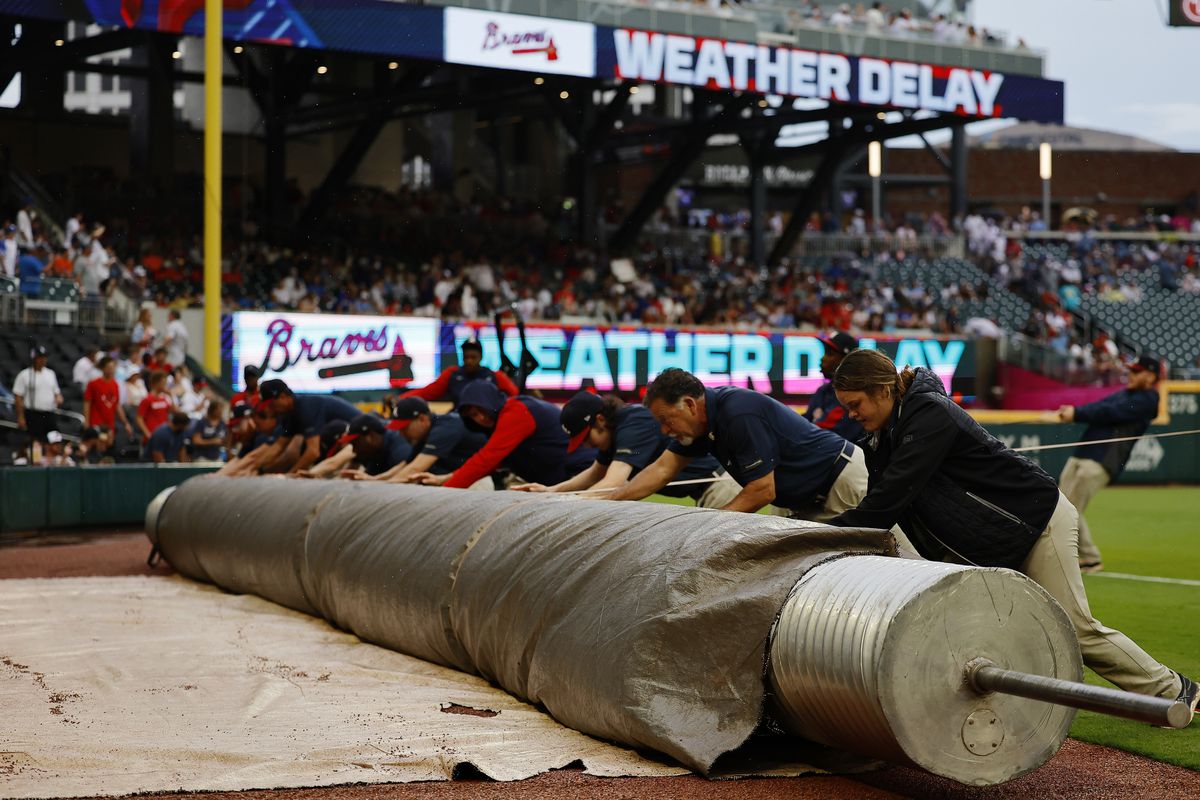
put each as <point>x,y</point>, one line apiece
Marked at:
<point>1162,322</point>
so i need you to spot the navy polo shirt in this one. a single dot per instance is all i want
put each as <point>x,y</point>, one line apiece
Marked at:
<point>451,442</point>
<point>259,440</point>
<point>167,441</point>
<point>312,412</point>
<point>752,435</point>
<point>638,441</point>
<point>206,429</point>
<point>395,450</point>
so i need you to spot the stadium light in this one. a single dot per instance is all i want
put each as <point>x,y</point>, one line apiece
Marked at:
<point>538,81</point>
<point>1045,170</point>
<point>59,42</point>
<point>177,55</point>
<point>238,49</point>
<point>321,70</point>
<point>875,170</point>
<point>564,94</point>
<point>393,65</point>
<point>633,89</point>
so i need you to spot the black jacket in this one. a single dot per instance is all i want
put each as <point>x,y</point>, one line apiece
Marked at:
<point>952,487</point>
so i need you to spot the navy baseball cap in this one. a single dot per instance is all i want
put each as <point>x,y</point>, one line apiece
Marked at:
<point>241,411</point>
<point>1146,364</point>
<point>362,425</point>
<point>840,341</point>
<point>269,390</point>
<point>577,417</point>
<point>37,351</point>
<point>330,436</point>
<point>251,371</point>
<point>406,410</point>
<point>472,344</point>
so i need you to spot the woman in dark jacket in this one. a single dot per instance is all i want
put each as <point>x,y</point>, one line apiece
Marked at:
<point>960,495</point>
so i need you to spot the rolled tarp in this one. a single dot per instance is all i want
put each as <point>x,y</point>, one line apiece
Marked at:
<point>642,623</point>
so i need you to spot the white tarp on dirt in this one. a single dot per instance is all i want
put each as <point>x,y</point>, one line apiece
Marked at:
<point>112,686</point>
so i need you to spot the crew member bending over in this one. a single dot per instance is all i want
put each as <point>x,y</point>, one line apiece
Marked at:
<point>777,456</point>
<point>962,496</point>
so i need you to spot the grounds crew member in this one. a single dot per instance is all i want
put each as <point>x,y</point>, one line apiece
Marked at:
<point>526,437</point>
<point>777,456</point>
<point>627,440</point>
<point>1127,412</point>
<point>453,380</point>
<point>376,448</point>
<point>301,418</point>
<point>441,442</point>
<point>824,410</point>
<point>962,496</point>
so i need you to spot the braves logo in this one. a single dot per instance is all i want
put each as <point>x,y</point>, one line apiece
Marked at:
<point>1191,10</point>
<point>521,44</point>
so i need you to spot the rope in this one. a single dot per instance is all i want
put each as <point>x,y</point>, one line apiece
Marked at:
<point>1105,441</point>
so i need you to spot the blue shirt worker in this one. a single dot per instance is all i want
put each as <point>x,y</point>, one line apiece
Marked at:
<point>301,418</point>
<point>1126,413</point>
<point>627,440</point>
<point>441,442</point>
<point>376,448</point>
<point>166,442</point>
<point>777,456</point>
<point>824,410</point>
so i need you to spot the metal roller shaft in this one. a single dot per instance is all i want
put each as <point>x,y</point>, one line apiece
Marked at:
<point>984,676</point>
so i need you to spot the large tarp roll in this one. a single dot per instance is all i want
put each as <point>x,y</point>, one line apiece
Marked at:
<point>641,623</point>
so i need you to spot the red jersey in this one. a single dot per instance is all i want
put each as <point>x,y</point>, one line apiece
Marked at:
<point>249,398</point>
<point>155,410</point>
<point>104,395</point>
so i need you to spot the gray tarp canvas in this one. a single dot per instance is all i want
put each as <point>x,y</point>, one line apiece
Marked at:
<point>640,623</point>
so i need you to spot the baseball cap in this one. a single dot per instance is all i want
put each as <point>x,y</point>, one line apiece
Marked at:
<point>472,344</point>
<point>1146,364</point>
<point>839,341</point>
<point>360,426</point>
<point>577,417</point>
<point>251,371</point>
<point>241,411</point>
<point>269,390</point>
<point>330,437</point>
<point>405,411</point>
<point>37,350</point>
<point>54,437</point>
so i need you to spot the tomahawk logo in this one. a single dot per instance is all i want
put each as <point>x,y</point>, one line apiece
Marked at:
<point>519,43</point>
<point>1191,10</point>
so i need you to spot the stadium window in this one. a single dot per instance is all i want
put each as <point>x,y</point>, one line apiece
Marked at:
<point>106,83</point>
<point>79,82</point>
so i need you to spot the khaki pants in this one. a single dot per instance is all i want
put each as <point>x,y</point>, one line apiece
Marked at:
<point>719,493</point>
<point>1054,564</point>
<point>846,492</point>
<point>1080,480</point>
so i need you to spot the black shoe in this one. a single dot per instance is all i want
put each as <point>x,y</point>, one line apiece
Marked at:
<point>1190,693</point>
<point>1091,567</point>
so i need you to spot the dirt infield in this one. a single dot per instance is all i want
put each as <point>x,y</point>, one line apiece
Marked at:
<point>1079,771</point>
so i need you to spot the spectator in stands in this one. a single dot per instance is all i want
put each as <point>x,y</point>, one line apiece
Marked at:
<point>167,442</point>
<point>73,229</point>
<point>1125,414</point>
<point>9,252</point>
<point>156,361</point>
<point>176,339</point>
<point>60,265</point>
<point>135,389</point>
<point>157,406</point>
<point>102,403</point>
<point>453,380</point>
<point>38,398</point>
<point>25,216</point>
<point>376,448</point>
<point>188,392</point>
<point>96,265</point>
<point>841,18</point>
<point>525,436</point>
<point>876,18</point>
<point>143,331</point>
<point>205,437</point>
<point>824,410</point>
<point>441,442</point>
<point>249,395</point>
<point>30,267</point>
<point>85,370</point>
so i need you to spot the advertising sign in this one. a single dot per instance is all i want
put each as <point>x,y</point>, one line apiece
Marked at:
<point>322,353</point>
<point>834,77</point>
<point>1184,13</point>
<point>514,41</point>
<point>786,366</point>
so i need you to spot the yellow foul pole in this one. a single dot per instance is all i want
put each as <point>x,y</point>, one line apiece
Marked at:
<point>212,185</point>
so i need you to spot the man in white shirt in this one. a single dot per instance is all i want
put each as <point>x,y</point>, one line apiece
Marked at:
<point>85,370</point>
<point>176,340</point>
<point>9,256</point>
<point>38,397</point>
<point>74,226</point>
<point>25,225</point>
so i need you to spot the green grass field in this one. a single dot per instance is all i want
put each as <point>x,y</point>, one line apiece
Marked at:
<point>1147,532</point>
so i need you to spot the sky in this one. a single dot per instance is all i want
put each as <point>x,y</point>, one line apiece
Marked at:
<point>1124,69</point>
